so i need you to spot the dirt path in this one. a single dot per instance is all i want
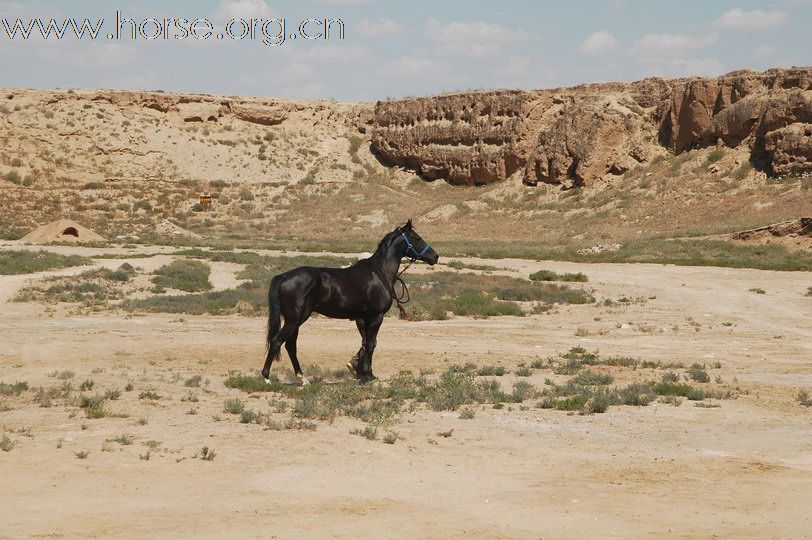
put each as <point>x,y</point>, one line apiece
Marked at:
<point>743,469</point>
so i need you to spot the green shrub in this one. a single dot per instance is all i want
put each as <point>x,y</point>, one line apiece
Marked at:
<point>697,373</point>
<point>184,275</point>
<point>7,389</point>
<point>714,156</point>
<point>592,378</point>
<point>14,177</point>
<point>676,389</point>
<point>549,275</point>
<point>29,262</point>
<point>496,371</point>
<point>743,171</point>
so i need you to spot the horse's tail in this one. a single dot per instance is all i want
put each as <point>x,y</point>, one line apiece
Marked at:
<point>274,313</point>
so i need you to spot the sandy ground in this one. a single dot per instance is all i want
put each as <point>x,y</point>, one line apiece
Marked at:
<point>743,469</point>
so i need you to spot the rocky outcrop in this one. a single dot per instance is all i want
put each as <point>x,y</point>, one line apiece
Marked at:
<point>581,134</point>
<point>592,135</point>
<point>790,149</point>
<point>462,138</point>
<point>266,116</point>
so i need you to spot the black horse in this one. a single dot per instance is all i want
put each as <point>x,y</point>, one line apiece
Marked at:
<point>363,292</point>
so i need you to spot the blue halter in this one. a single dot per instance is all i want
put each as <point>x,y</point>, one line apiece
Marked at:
<point>410,247</point>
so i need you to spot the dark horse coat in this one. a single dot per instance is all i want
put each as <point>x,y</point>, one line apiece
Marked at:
<point>363,292</point>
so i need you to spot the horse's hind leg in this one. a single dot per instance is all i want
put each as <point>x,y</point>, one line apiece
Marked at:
<point>371,327</point>
<point>352,365</point>
<point>290,346</point>
<point>273,352</point>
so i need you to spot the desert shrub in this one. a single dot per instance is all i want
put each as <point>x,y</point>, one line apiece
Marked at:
<point>91,287</point>
<point>93,185</point>
<point>482,295</point>
<point>14,177</point>
<point>7,444</point>
<point>496,371</point>
<point>480,305</point>
<point>214,302</point>
<point>143,204</point>
<point>592,378</point>
<point>698,373</point>
<point>714,156</point>
<point>635,394</point>
<point>184,275</point>
<point>355,145</point>
<point>523,371</point>
<point>233,406</point>
<point>29,262</point>
<point>522,391</point>
<point>9,389</point>
<point>681,390</point>
<point>549,275</point>
<point>743,171</point>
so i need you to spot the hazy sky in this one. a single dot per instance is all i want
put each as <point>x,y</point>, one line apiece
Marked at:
<point>394,48</point>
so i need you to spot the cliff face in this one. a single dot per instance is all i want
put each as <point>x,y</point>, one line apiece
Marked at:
<point>464,138</point>
<point>580,134</point>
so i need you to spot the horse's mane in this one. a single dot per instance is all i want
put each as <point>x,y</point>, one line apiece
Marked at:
<point>380,251</point>
<point>384,243</point>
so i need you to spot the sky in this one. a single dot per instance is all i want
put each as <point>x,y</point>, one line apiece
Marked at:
<point>398,48</point>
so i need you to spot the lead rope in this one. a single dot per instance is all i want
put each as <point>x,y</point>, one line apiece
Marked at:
<point>404,292</point>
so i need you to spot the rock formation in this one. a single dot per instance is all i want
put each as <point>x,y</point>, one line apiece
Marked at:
<point>580,134</point>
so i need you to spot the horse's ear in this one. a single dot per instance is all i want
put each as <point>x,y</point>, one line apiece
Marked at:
<point>409,224</point>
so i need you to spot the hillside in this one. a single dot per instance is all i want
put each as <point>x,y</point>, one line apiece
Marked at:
<point>654,158</point>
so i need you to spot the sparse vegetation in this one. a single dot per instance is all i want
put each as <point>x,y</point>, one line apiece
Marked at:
<point>124,440</point>
<point>495,371</point>
<point>523,371</point>
<point>29,262</point>
<point>549,275</point>
<point>8,389</point>
<point>149,394</point>
<point>698,373</point>
<point>233,406</point>
<point>467,413</point>
<point>89,288</point>
<point>183,275</point>
<point>588,377</point>
<point>7,444</point>
<point>207,454</point>
<point>368,432</point>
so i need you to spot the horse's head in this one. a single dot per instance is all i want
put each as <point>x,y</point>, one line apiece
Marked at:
<point>415,247</point>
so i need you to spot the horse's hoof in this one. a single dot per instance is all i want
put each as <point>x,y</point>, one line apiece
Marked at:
<point>267,380</point>
<point>351,368</point>
<point>303,379</point>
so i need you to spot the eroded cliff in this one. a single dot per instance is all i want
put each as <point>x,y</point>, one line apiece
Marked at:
<point>579,135</point>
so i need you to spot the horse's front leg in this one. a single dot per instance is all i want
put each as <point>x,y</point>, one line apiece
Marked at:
<point>352,365</point>
<point>372,325</point>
